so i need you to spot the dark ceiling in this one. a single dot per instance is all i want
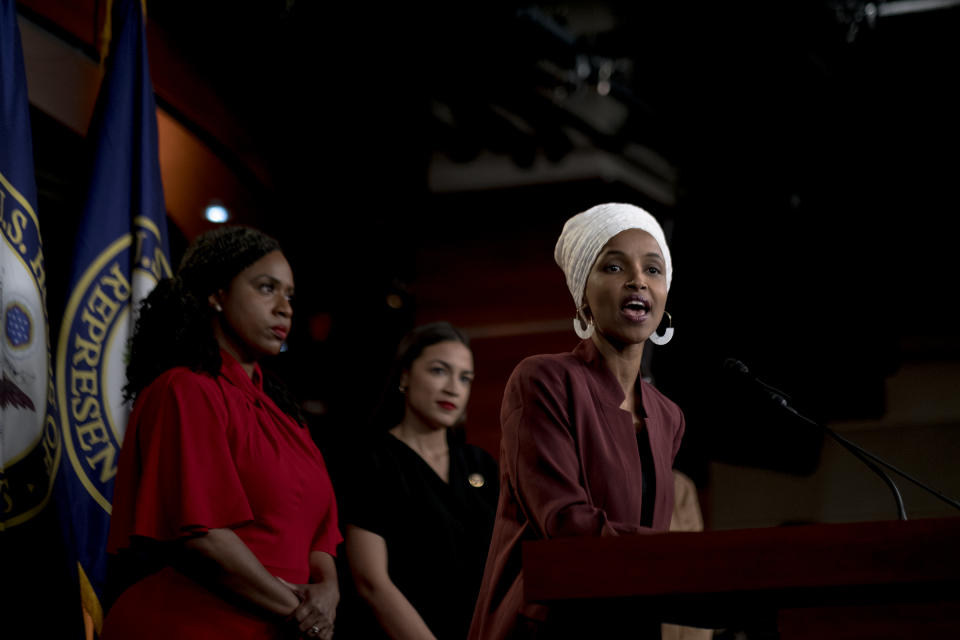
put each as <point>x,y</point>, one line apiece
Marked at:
<point>794,125</point>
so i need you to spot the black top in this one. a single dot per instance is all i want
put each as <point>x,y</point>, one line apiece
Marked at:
<point>648,485</point>
<point>437,534</point>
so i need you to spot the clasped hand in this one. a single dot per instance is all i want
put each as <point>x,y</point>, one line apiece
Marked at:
<point>317,610</point>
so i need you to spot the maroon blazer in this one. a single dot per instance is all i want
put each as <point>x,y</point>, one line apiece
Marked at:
<point>569,466</point>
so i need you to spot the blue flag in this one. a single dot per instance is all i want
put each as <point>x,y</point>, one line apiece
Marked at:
<point>29,438</point>
<point>121,253</point>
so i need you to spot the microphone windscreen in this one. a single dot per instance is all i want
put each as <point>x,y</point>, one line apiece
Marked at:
<point>735,365</point>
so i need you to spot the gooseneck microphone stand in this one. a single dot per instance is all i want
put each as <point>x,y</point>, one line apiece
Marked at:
<point>865,456</point>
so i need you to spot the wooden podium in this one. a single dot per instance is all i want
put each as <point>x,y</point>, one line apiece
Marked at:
<point>860,580</point>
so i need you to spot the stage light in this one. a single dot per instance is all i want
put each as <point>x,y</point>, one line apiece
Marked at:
<point>216,212</point>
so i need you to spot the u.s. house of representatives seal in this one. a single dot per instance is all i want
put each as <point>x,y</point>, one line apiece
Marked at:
<point>91,361</point>
<point>29,439</point>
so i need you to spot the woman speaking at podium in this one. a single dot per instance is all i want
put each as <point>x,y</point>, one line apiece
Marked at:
<point>587,446</point>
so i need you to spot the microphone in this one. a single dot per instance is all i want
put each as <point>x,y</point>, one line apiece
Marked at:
<point>736,366</point>
<point>782,399</point>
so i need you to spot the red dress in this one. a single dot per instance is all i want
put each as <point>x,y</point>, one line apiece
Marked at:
<point>205,452</point>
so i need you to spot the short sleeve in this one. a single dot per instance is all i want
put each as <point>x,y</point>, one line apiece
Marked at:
<point>328,535</point>
<point>183,476</point>
<point>365,503</point>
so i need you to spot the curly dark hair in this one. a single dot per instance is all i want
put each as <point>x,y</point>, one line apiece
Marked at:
<point>390,410</point>
<point>174,322</point>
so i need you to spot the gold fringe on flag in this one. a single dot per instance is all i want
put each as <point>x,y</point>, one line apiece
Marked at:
<point>90,603</point>
<point>106,34</point>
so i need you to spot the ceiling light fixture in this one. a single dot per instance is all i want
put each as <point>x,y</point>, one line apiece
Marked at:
<point>216,212</point>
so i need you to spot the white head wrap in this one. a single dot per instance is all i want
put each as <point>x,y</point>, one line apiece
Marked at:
<point>584,236</point>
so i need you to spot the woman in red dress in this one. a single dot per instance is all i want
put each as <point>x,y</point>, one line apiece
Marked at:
<point>221,497</point>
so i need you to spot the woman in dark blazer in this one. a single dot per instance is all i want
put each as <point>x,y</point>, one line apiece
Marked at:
<point>587,446</point>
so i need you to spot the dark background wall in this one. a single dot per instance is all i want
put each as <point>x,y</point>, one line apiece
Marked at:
<point>418,164</point>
